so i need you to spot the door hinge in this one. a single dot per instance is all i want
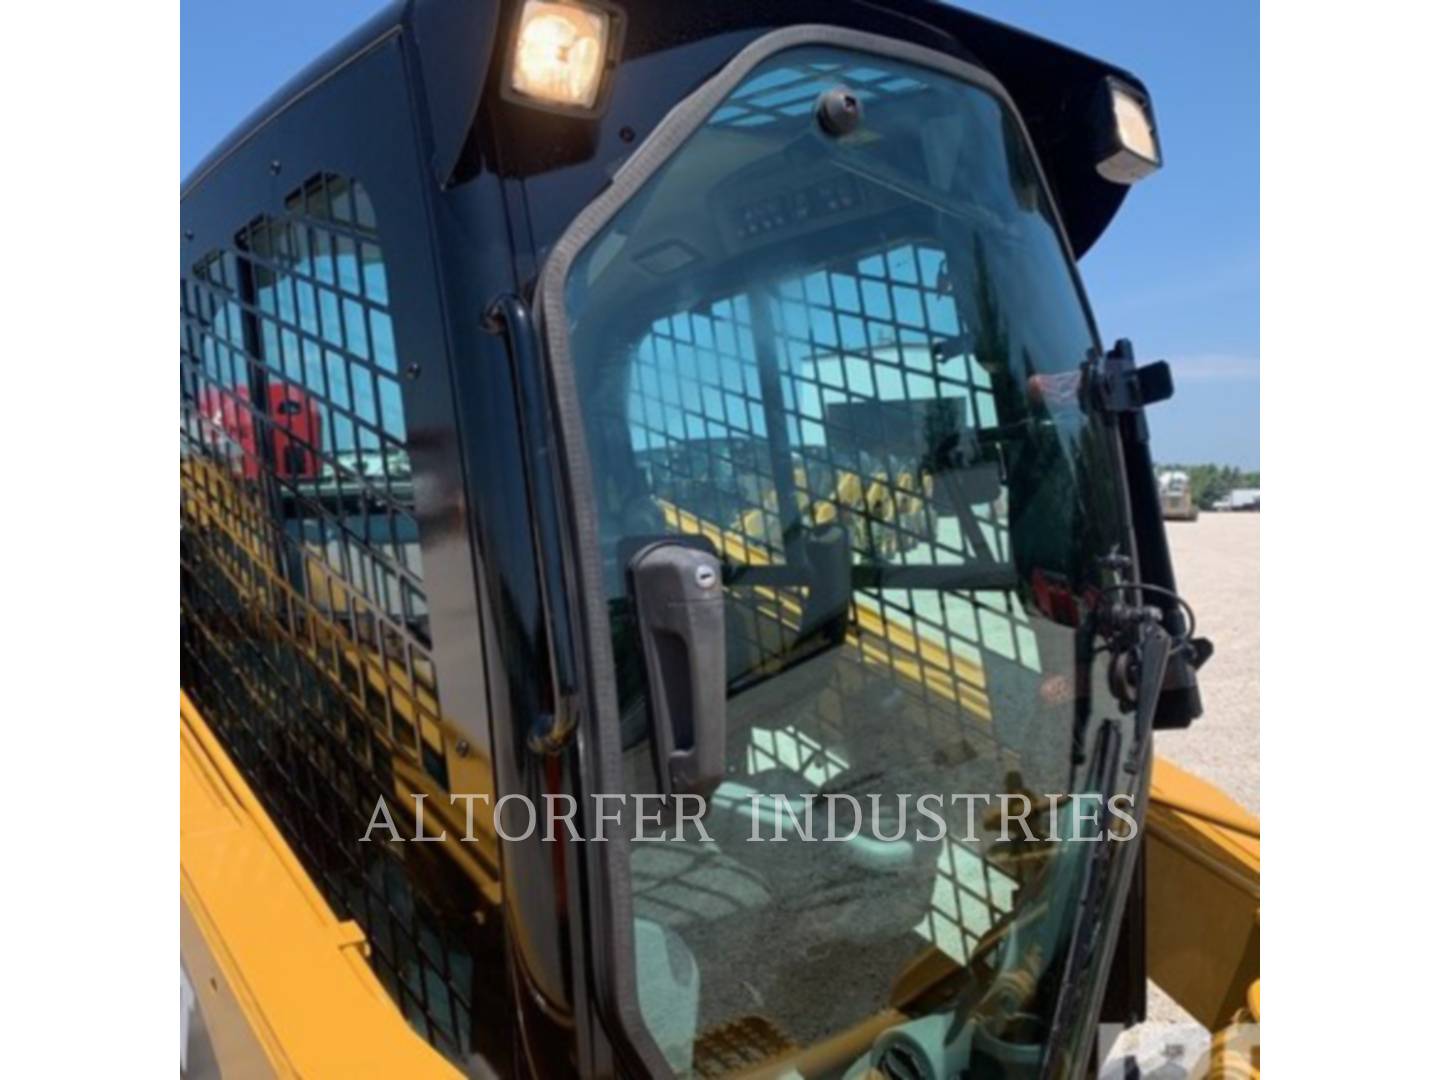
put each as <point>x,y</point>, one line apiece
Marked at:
<point>1115,384</point>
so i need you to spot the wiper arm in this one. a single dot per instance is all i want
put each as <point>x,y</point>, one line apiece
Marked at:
<point>1086,929</point>
<point>1142,646</point>
<point>1151,653</point>
<point>1146,646</point>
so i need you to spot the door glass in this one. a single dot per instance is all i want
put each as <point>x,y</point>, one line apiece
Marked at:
<point>847,367</point>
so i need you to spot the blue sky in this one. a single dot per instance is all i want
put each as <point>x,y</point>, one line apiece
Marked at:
<point>1178,272</point>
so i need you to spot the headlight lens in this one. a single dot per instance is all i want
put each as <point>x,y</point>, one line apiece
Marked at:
<point>1129,149</point>
<point>560,53</point>
<point>1134,126</point>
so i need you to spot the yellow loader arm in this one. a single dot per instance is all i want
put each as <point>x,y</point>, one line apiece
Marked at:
<point>1202,914</point>
<point>281,985</point>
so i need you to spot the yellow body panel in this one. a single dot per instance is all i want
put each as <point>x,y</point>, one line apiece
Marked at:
<point>1202,897</point>
<point>285,990</point>
<point>283,985</point>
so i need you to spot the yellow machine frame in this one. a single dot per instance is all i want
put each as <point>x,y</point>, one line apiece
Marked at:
<point>284,988</point>
<point>282,985</point>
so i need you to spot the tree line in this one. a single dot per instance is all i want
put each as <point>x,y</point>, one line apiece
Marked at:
<point>1210,483</point>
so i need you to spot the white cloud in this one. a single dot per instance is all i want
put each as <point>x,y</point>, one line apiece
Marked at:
<point>1215,367</point>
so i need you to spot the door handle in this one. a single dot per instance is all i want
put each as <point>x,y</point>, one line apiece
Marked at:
<point>680,607</point>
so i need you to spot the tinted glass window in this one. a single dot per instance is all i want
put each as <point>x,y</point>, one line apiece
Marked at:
<point>841,365</point>
<point>305,636</point>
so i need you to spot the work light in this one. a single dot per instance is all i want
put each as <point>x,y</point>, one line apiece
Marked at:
<point>1129,148</point>
<point>561,52</point>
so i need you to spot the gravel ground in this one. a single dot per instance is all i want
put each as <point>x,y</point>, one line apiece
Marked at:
<point>1217,565</point>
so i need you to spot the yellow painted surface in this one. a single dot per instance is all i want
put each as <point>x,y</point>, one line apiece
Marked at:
<point>264,947</point>
<point>1202,895</point>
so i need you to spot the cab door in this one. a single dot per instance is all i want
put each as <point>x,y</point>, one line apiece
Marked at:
<point>835,546</point>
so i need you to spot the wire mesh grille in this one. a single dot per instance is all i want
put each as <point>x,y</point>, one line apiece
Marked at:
<point>791,91</point>
<point>305,632</point>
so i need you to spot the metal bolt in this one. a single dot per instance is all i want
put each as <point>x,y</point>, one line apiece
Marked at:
<point>705,576</point>
<point>275,167</point>
<point>627,134</point>
<point>462,748</point>
<point>412,371</point>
